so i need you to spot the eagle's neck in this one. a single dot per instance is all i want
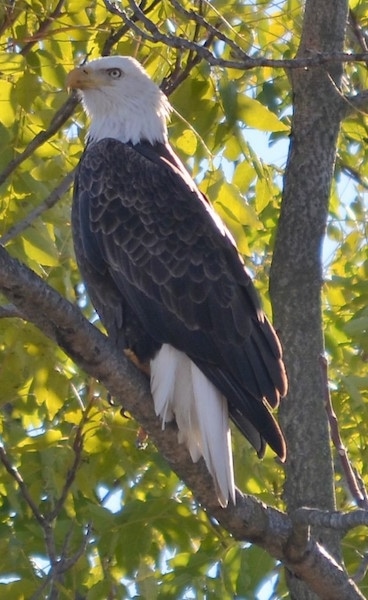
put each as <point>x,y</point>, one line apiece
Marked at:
<point>127,121</point>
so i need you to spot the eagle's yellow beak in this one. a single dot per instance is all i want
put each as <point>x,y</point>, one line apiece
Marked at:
<point>83,78</point>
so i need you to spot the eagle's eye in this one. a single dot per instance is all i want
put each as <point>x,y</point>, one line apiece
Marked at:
<point>114,73</point>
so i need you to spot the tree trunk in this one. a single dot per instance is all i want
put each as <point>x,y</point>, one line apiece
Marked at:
<point>296,273</point>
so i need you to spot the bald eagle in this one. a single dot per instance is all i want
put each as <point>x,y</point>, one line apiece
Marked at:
<point>165,277</point>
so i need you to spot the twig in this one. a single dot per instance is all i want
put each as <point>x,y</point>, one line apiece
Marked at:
<point>60,117</point>
<point>72,471</point>
<point>361,571</point>
<point>50,201</point>
<point>66,563</point>
<point>170,83</point>
<point>14,473</point>
<point>61,565</point>
<point>115,36</point>
<point>357,30</point>
<point>354,174</point>
<point>359,495</point>
<point>154,35</point>
<point>212,29</point>
<point>43,28</point>
<point>12,11</point>
<point>357,103</point>
<point>59,562</point>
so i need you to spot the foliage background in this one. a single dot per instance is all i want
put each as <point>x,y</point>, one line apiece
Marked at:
<point>123,524</point>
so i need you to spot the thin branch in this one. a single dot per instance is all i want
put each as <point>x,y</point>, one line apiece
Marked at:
<point>154,35</point>
<point>213,30</point>
<point>14,473</point>
<point>358,31</point>
<point>113,9</point>
<point>359,495</point>
<point>60,117</point>
<point>58,569</point>
<point>50,201</point>
<point>357,103</point>
<point>39,594</point>
<point>362,569</point>
<point>354,174</point>
<point>176,77</point>
<point>67,563</point>
<point>43,28</point>
<point>115,36</point>
<point>12,10</point>
<point>40,518</point>
<point>72,471</point>
<point>60,562</point>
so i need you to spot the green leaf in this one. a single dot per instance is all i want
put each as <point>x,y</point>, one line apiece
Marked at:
<point>257,116</point>
<point>187,142</point>
<point>7,112</point>
<point>39,246</point>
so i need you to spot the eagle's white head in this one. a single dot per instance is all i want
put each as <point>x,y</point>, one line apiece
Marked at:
<point>121,100</point>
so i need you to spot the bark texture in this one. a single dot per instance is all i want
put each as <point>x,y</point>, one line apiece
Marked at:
<point>296,274</point>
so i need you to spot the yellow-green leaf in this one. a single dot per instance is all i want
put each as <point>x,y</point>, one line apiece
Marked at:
<point>187,142</point>
<point>257,116</point>
<point>7,113</point>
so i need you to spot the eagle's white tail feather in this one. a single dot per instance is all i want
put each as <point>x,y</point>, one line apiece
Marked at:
<point>181,391</point>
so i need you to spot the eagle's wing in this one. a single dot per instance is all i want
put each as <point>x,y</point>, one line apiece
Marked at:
<point>151,245</point>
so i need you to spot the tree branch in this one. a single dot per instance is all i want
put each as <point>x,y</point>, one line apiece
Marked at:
<point>359,103</point>
<point>341,521</point>
<point>9,310</point>
<point>250,519</point>
<point>72,471</point>
<point>359,34</point>
<point>52,199</point>
<point>12,11</point>
<point>245,62</point>
<point>60,117</point>
<point>359,495</point>
<point>14,473</point>
<point>353,174</point>
<point>115,36</point>
<point>43,28</point>
<point>60,562</point>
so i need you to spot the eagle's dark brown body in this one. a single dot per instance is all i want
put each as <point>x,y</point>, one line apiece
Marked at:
<point>165,276</point>
<point>159,269</point>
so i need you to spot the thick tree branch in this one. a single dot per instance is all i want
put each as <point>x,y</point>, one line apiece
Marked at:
<point>250,519</point>
<point>341,521</point>
<point>9,310</point>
